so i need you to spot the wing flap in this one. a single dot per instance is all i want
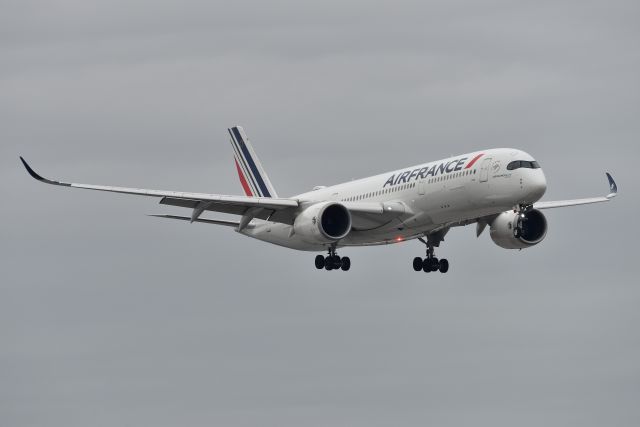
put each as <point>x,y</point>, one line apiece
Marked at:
<point>206,221</point>
<point>182,203</point>
<point>210,206</point>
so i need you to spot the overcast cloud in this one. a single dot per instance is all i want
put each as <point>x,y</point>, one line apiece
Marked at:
<point>108,317</point>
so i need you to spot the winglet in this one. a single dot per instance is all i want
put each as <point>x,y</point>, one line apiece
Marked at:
<point>41,178</point>
<point>613,187</point>
<point>31,171</point>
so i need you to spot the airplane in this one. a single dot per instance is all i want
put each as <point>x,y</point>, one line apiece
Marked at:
<point>499,188</point>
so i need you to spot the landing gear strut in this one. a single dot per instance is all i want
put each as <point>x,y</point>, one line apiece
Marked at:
<point>431,263</point>
<point>332,261</point>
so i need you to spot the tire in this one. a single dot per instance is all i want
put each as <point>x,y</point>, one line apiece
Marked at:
<point>337,262</point>
<point>319,262</point>
<point>346,263</point>
<point>434,264</point>
<point>417,263</point>
<point>328,263</point>
<point>444,266</point>
<point>426,265</point>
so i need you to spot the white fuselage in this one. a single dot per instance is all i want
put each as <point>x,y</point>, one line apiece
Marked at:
<point>431,196</point>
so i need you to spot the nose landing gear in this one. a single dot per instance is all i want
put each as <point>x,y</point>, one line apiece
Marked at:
<point>518,227</point>
<point>332,261</point>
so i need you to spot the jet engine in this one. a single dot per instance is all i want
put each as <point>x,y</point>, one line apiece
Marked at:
<point>512,230</point>
<point>324,222</point>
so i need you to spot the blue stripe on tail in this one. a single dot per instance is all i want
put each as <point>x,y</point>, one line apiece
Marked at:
<point>252,165</point>
<point>243,164</point>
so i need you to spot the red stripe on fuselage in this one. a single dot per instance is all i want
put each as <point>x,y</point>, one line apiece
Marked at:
<point>475,159</point>
<point>243,181</point>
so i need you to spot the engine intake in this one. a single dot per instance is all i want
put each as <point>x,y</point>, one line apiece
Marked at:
<point>509,230</point>
<point>323,222</point>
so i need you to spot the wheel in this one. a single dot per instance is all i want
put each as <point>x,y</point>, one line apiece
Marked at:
<point>328,263</point>
<point>417,263</point>
<point>426,265</point>
<point>346,263</point>
<point>319,262</point>
<point>328,266</point>
<point>434,264</point>
<point>337,262</point>
<point>444,266</point>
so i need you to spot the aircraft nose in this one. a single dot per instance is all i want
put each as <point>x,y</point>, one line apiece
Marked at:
<point>536,185</point>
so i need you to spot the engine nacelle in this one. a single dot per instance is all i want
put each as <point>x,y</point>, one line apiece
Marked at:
<point>324,222</point>
<point>532,229</point>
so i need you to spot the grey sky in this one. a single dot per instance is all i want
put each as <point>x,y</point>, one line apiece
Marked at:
<point>108,317</point>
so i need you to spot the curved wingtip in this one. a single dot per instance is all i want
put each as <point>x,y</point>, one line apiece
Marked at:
<point>613,187</point>
<point>35,175</point>
<point>30,170</point>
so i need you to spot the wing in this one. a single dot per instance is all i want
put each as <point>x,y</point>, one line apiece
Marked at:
<point>264,206</point>
<point>613,191</point>
<point>283,210</point>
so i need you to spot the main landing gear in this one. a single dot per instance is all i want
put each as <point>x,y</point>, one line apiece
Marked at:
<point>333,261</point>
<point>430,263</point>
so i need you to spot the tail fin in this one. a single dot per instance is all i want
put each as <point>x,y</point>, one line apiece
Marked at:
<point>253,177</point>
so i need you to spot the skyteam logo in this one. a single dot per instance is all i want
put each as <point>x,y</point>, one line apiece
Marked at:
<point>430,171</point>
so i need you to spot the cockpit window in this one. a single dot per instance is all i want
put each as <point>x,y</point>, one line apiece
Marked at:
<point>517,164</point>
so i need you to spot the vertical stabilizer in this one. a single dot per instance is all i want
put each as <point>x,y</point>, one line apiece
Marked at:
<point>253,177</point>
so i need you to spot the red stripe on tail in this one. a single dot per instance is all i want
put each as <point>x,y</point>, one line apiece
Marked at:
<point>243,181</point>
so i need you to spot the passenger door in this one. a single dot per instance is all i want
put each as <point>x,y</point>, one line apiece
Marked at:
<point>421,186</point>
<point>484,169</point>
